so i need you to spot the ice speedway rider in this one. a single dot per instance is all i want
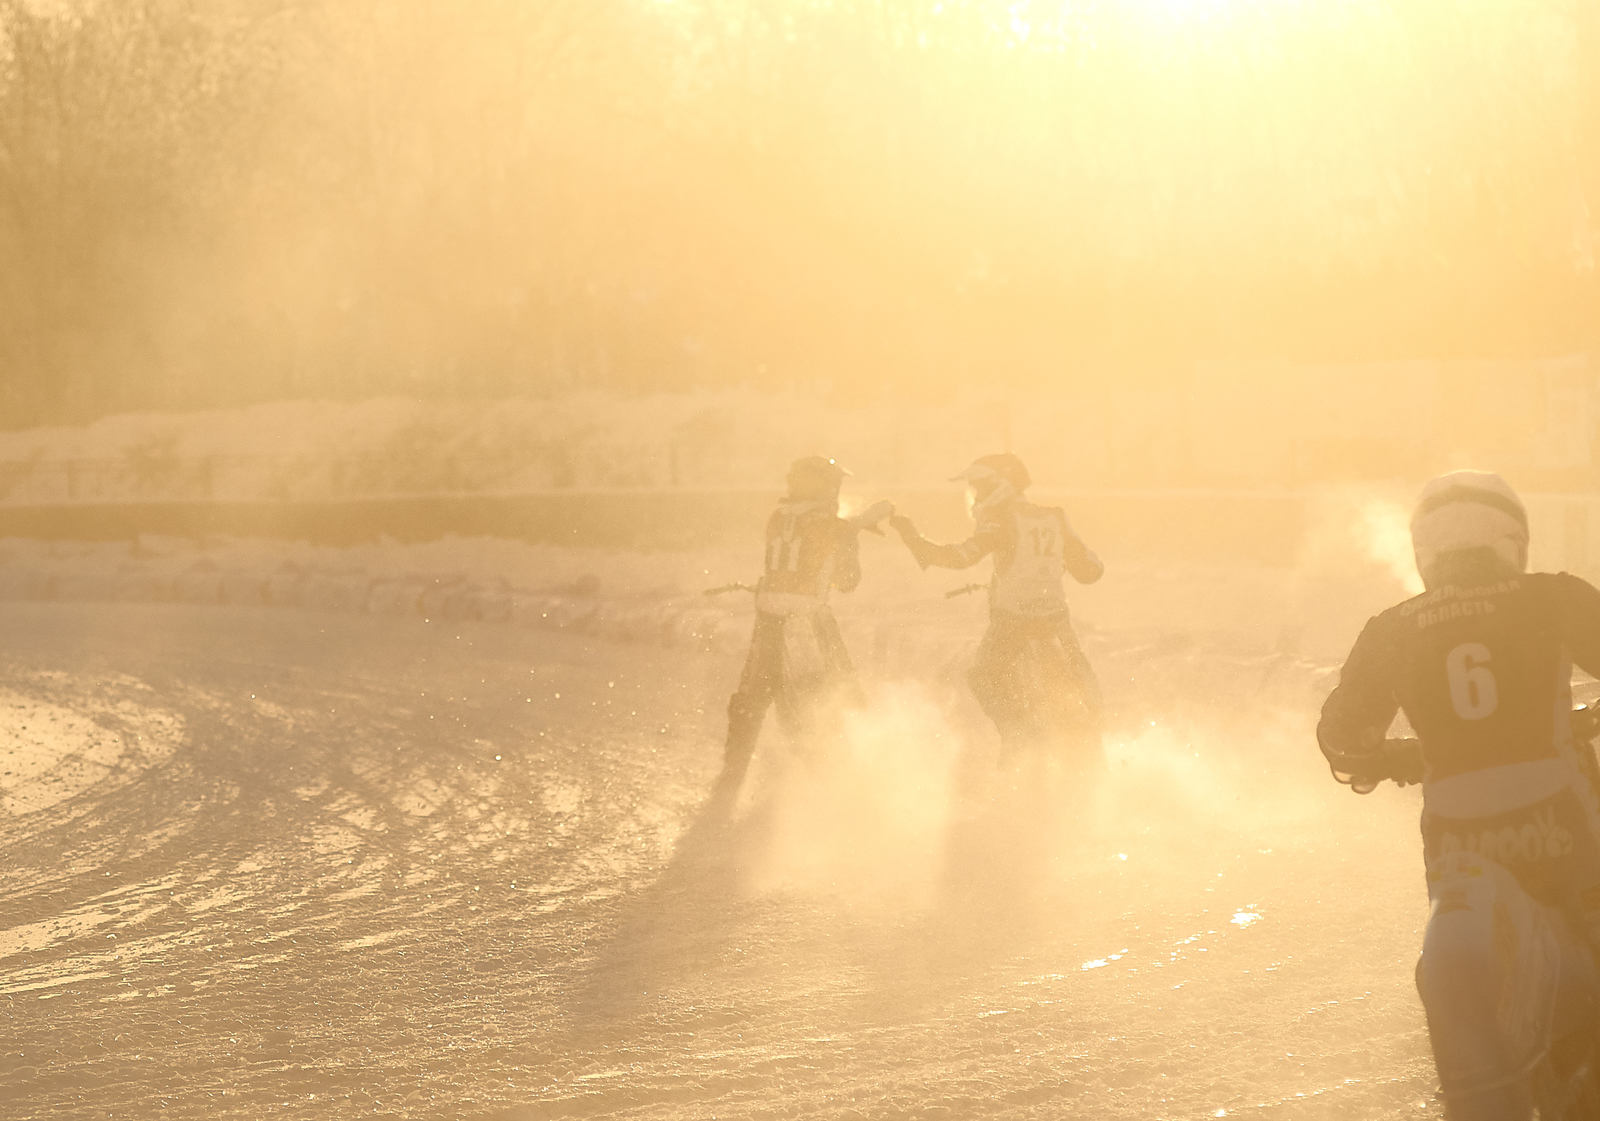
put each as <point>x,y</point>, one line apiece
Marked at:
<point>797,658</point>
<point>1481,664</point>
<point>1032,547</point>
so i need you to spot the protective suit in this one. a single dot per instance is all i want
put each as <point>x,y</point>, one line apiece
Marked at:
<point>1033,548</point>
<point>797,661</point>
<point>1481,663</point>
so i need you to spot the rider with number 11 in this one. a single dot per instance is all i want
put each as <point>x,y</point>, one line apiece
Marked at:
<point>797,662</point>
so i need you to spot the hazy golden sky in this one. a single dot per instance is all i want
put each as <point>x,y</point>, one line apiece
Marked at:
<point>214,201</point>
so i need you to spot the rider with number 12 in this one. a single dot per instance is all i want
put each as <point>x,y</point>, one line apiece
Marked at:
<point>1481,663</point>
<point>1029,623</point>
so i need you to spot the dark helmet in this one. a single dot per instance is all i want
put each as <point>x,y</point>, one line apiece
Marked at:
<point>989,470</point>
<point>815,476</point>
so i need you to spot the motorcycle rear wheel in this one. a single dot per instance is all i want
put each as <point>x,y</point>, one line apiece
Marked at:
<point>1565,1085</point>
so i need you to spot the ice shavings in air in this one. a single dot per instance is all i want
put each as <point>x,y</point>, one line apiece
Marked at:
<point>877,801</point>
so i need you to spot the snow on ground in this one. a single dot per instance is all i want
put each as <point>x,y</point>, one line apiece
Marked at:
<point>899,616</point>
<point>407,850</point>
<point>50,754</point>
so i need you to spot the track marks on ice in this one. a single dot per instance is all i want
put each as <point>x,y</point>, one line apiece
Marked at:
<point>50,753</point>
<point>292,940</point>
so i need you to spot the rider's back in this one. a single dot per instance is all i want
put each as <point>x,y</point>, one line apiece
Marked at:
<point>1482,671</point>
<point>1481,664</point>
<point>809,550</point>
<point>1035,546</point>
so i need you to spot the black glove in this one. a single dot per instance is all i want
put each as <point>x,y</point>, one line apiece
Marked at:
<point>1403,761</point>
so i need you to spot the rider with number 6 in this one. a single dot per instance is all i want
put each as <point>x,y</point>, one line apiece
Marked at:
<point>1481,663</point>
<point>1032,547</point>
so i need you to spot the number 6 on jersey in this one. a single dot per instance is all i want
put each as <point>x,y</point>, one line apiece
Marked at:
<point>1472,688</point>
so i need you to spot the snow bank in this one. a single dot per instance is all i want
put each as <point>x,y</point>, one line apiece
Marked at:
<point>1145,626</point>
<point>316,449</point>
<point>480,580</point>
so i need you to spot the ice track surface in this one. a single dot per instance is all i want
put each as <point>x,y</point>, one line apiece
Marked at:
<point>273,863</point>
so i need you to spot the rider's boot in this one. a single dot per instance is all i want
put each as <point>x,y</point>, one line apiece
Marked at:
<point>1017,742</point>
<point>744,728</point>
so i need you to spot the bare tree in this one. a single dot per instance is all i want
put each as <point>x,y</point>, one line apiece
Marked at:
<point>205,201</point>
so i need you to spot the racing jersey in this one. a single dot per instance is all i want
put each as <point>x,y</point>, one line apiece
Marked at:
<point>1032,547</point>
<point>1483,674</point>
<point>810,549</point>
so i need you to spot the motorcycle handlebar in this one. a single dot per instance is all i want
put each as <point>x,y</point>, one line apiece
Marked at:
<point>1402,761</point>
<point>1402,764</point>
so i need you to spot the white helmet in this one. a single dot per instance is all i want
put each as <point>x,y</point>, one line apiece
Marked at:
<point>1469,510</point>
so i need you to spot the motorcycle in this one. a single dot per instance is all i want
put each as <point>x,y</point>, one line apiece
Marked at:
<point>1045,699</point>
<point>1508,983</point>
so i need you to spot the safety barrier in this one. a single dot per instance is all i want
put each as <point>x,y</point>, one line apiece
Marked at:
<point>1269,527</point>
<point>1264,526</point>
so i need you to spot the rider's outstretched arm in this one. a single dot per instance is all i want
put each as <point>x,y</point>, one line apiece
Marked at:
<point>964,555</point>
<point>1360,709</point>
